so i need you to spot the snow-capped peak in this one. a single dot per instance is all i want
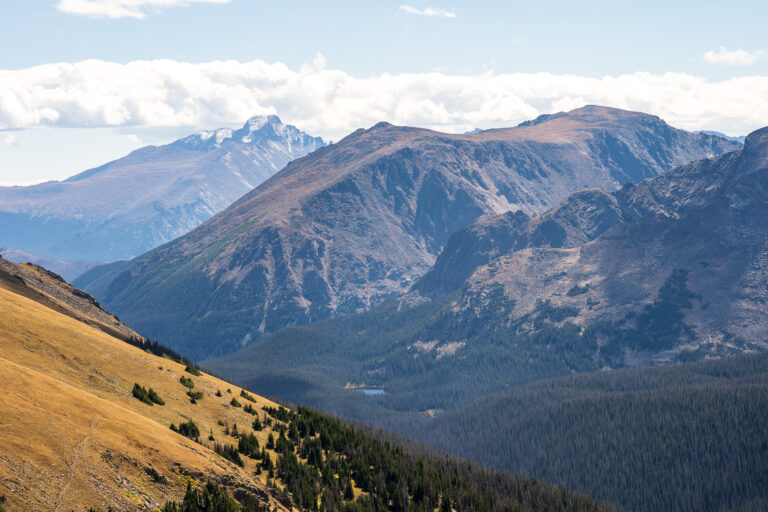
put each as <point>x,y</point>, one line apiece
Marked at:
<point>256,123</point>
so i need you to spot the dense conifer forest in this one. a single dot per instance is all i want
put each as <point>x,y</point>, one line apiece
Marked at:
<point>684,438</point>
<point>330,466</point>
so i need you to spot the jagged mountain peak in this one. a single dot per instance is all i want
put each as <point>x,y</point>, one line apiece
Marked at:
<point>255,130</point>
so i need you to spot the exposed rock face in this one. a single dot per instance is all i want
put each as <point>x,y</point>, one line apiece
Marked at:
<point>696,236</point>
<point>126,207</point>
<point>361,220</point>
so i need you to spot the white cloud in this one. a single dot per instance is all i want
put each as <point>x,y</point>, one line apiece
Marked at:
<point>159,94</point>
<point>123,8</point>
<point>429,11</point>
<point>10,140</point>
<point>733,57</point>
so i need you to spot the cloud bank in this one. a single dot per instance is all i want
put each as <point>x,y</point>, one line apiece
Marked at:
<point>123,8</point>
<point>332,103</point>
<point>733,57</point>
<point>429,11</point>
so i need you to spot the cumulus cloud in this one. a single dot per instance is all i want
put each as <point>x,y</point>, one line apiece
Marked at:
<point>123,8</point>
<point>429,11</point>
<point>330,102</point>
<point>733,57</point>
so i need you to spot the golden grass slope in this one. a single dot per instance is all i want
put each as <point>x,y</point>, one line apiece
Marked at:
<point>71,434</point>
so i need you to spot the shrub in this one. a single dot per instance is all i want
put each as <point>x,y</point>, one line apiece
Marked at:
<point>140,393</point>
<point>187,382</point>
<point>218,392</point>
<point>247,396</point>
<point>188,429</point>
<point>229,452</point>
<point>194,396</point>
<point>266,461</point>
<point>235,403</point>
<point>280,413</point>
<point>250,410</point>
<point>211,498</point>
<point>155,397</point>
<point>192,370</point>
<point>148,397</point>
<point>248,445</point>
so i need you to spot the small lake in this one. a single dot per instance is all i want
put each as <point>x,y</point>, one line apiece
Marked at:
<point>372,391</point>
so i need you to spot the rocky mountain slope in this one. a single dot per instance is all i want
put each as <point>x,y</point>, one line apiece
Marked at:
<point>126,207</point>
<point>669,270</point>
<point>49,289</point>
<point>92,423</point>
<point>341,229</point>
<point>690,244</point>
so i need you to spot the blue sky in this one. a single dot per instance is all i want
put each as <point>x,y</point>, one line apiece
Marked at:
<point>331,67</point>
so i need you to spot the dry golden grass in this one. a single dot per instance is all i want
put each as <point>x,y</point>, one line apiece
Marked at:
<point>71,434</point>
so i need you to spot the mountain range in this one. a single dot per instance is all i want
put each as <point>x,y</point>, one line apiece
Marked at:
<point>343,228</point>
<point>669,270</point>
<point>155,194</point>
<point>579,299</point>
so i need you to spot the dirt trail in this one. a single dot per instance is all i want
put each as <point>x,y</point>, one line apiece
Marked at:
<point>77,452</point>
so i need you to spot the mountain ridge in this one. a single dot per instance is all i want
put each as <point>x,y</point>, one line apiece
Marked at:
<point>150,196</point>
<point>669,270</point>
<point>383,201</point>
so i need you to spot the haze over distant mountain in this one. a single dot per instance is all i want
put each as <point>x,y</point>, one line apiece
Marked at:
<point>69,270</point>
<point>353,223</point>
<point>153,195</point>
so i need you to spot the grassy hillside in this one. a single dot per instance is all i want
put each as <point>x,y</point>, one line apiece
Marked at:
<point>72,434</point>
<point>90,421</point>
<point>691,437</point>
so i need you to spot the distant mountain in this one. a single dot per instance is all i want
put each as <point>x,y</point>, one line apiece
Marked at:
<point>69,270</point>
<point>155,194</point>
<point>740,139</point>
<point>670,270</point>
<point>343,228</point>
